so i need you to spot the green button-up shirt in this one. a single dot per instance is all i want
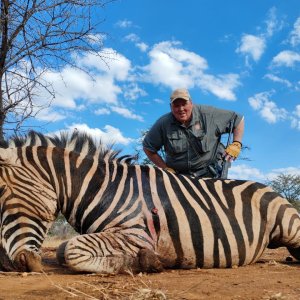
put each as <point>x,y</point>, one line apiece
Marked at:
<point>191,148</point>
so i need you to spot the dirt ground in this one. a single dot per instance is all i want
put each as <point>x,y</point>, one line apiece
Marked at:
<point>271,278</point>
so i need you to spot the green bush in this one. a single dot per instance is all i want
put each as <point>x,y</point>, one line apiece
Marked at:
<point>61,228</point>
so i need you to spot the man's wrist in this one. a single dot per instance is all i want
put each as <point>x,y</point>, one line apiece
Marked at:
<point>238,142</point>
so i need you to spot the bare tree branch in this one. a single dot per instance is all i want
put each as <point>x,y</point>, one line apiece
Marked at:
<point>36,36</point>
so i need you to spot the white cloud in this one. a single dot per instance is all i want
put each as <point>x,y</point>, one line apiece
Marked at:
<point>289,170</point>
<point>96,38</point>
<point>160,101</point>
<point>136,40</point>
<point>108,135</point>
<point>72,84</point>
<point>124,23</point>
<point>126,113</point>
<point>297,111</point>
<point>273,23</point>
<point>245,172</point>
<point>269,111</point>
<point>104,90</point>
<point>295,123</point>
<point>132,37</point>
<point>278,79</point>
<point>286,58</point>
<point>48,115</point>
<point>171,66</point>
<point>266,108</point>
<point>142,46</point>
<point>295,118</point>
<point>75,89</point>
<point>108,62</point>
<point>102,111</point>
<point>132,91</point>
<point>252,45</point>
<point>222,86</point>
<point>295,34</point>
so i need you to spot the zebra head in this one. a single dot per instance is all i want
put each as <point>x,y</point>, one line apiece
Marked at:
<point>40,176</point>
<point>27,209</point>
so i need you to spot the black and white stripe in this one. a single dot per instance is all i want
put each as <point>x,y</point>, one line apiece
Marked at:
<point>120,208</point>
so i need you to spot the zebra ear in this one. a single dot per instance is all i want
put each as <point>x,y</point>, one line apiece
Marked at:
<point>8,156</point>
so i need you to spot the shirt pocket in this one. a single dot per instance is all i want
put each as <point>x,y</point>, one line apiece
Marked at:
<point>202,142</point>
<point>177,142</point>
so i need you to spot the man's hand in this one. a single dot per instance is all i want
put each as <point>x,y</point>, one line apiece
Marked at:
<point>233,151</point>
<point>170,170</point>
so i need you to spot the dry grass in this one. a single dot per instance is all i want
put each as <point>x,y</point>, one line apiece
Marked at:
<point>107,288</point>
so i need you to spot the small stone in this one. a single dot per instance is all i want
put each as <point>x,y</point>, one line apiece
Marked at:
<point>272,263</point>
<point>277,296</point>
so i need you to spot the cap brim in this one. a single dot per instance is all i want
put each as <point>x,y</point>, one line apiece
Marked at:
<point>186,99</point>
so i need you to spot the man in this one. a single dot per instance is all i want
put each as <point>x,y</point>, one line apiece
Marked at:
<point>190,135</point>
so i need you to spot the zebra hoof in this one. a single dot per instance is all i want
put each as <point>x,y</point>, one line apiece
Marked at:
<point>60,253</point>
<point>149,261</point>
<point>295,252</point>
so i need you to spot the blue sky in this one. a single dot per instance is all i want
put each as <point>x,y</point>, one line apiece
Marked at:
<point>236,55</point>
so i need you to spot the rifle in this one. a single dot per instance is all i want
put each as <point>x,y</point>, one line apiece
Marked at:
<point>226,163</point>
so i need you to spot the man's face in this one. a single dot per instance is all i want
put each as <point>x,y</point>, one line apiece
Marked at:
<point>182,110</point>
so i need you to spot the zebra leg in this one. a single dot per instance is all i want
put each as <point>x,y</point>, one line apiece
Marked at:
<point>149,262</point>
<point>286,230</point>
<point>60,253</point>
<point>108,253</point>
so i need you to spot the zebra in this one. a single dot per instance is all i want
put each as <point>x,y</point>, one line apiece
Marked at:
<point>130,216</point>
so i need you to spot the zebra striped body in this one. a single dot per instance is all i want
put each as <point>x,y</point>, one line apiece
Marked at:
<point>131,216</point>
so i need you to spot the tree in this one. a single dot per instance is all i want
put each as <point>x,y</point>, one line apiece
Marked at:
<point>288,186</point>
<point>35,36</point>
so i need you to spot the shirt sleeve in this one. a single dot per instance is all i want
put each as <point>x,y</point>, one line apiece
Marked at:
<point>153,140</point>
<point>223,117</point>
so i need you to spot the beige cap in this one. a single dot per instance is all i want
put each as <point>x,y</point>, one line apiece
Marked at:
<point>180,94</point>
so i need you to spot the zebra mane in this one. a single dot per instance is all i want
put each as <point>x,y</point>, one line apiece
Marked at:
<point>76,141</point>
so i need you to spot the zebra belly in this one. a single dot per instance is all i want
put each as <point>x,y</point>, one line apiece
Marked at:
<point>209,249</point>
<point>207,257</point>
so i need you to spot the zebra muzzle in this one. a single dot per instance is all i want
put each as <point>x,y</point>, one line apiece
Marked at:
<point>28,261</point>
